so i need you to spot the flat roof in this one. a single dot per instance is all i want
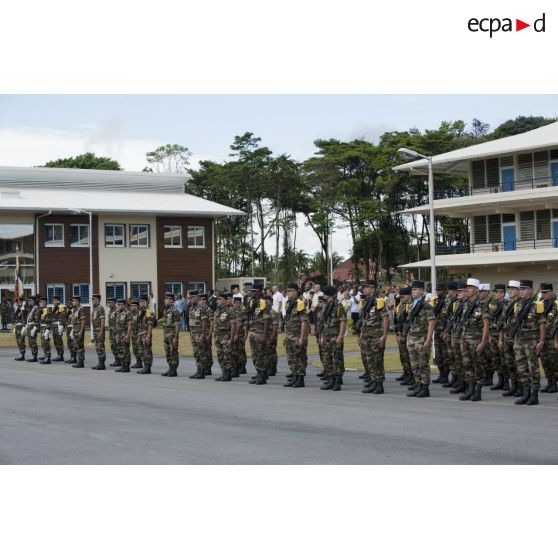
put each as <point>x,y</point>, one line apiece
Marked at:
<point>457,161</point>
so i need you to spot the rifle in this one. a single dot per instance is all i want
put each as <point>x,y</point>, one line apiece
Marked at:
<point>495,316</point>
<point>365,310</point>
<point>325,317</point>
<point>454,316</point>
<point>463,326</point>
<point>521,316</point>
<point>415,310</point>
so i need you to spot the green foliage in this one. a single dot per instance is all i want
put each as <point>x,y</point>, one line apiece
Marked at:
<point>85,161</point>
<point>520,125</point>
<point>169,158</point>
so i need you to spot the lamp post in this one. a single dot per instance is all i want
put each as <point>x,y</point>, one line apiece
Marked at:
<point>410,154</point>
<point>90,213</point>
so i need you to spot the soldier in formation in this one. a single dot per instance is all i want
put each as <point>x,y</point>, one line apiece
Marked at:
<point>45,325</point>
<point>241,334</point>
<point>401,327</point>
<point>225,329</point>
<point>59,320</point>
<point>123,334</point>
<point>145,335</point>
<point>134,312</point>
<point>111,323</point>
<point>259,329</point>
<point>20,321</point>
<point>296,337</point>
<point>549,355</point>
<point>99,332</point>
<point>171,331</point>
<point>199,324</point>
<point>32,328</point>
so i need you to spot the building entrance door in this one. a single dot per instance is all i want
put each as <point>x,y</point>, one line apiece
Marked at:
<point>509,236</point>
<point>508,180</point>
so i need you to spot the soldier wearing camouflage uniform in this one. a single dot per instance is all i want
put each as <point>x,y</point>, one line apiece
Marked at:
<point>111,323</point>
<point>374,325</point>
<point>506,344</point>
<point>32,328</point>
<point>76,326</point>
<point>240,346</point>
<point>99,332</point>
<point>5,311</point>
<point>199,326</point>
<point>496,309</point>
<point>447,315</point>
<point>439,303</point>
<point>259,329</point>
<point>45,325</point>
<point>171,331</point>
<point>225,322</point>
<point>401,328</point>
<point>475,327</point>
<point>333,320</point>
<point>485,299</point>
<point>59,319</point>
<point>271,346</point>
<point>145,329</point>
<point>455,330</point>
<point>122,335</point>
<point>528,342</point>
<point>20,319</point>
<point>206,349</point>
<point>134,312</point>
<point>296,336</point>
<point>419,340</point>
<point>549,355</point>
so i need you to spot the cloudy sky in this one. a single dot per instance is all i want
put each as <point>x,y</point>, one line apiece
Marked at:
<point>37,128</point>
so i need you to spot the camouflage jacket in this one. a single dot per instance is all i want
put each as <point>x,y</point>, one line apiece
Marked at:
<point>45,319</point>
<point>98,315</point>
<point>75,317</point>
<point>171,317</point>
<point>20,315</point>
<point>529,327</point>
<point>295,316</point>
<point>135,322</point>
<point>34,316</point>
<point>197,315</point>
<point>223,318</point>
<point>372,315</point>
<point>60,314</point>
<point>440,307</point>
<point>145,317</point>
<point>509,313</point>
<point>401,318</point>
<point>258,316</point>
<point>333,315</point>
<point>419,319</point>
<point>496,309</point>
<point>123,319</point>
<point>551,314</point>
<point>111,319</point>
<point>474,314</point>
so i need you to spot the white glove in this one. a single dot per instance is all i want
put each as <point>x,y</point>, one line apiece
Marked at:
<point>23,331</point>
<point>46,334</point>
<point>34,331</point>
<point>60,329</point>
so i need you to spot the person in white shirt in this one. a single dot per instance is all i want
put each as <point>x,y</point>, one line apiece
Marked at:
<point>355,305</point>
<point>277,299</point>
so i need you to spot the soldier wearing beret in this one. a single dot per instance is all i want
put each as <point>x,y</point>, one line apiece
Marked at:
<point>440,304</point>
<point>20,319</point>
<point>549,355</point>
<point>111,322</point>
<point>240,347</point>
<point>496,309</point>
<point>296,336</point>
<point>447,316</point>
<point>225,322</point>
<point>171,331</point>
<point>45,325</point>
<point>145,328</point>
<point>259,332</point>
<point>99,332</point>
<point>506,343</point>
<point>419,340</point>
<point>200,331</point>
<point>401,322</point>
<point>271,346</point>
<point>32,327</point>
<point>458,384</point>
<point>123,334</point>
<point>134,312</point>
<point>76,322</point>
<point>59,319</point>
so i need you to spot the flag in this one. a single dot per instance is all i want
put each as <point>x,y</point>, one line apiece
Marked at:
<point>18,286</point>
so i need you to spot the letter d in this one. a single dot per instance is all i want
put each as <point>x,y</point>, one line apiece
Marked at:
<point>542,23</point>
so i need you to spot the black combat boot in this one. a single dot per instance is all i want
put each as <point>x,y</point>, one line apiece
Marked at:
<point>459,387</point>
<point>71,360</point>
<point>506,385</point>
<point>424,391</point>
<point>235,372</point>
<point>227,375</point>
<point>477,395</point>
<point>116,362</point>
<point>145,370</point>
<point>451,382</point>
<point>489,379</point>
<point>21,357</point>
<point>469,393</point>
<point>553,387</point>
<point>533,398</point>
<point>46,360</point>
<point>289,376</point>
<point>322,375</point>
<point>365,376</point>
<point>243,369</point>
<point>261,380</point>
<point>137,364</point>
<point>411,381</point>
<point>544,389</point>
<point>255,378</point>
<point>414,392</point>
<point>379,388</point>
<point>525,396</point>
<point>403,377</point>
<point>329,381</point>
<point>59,358</point>
<point>173,373</point>
<point>337,383</point>
<point>41,359</point>
<point>78,364</point>
<point>220,378</point>
<point>518,390</point>
<point>299,383</point>
<point>500,383</point>
<point>197,375</point>
<point>369,387</point>
<point>440,378</point>
<point>34,359</point>
<point>96,367</point>
<point>207,371</point>
<point>101,365</point>
<point>413,386</point>
<point>291,382</point>
<point>273,371</point>
<point>164,373</point>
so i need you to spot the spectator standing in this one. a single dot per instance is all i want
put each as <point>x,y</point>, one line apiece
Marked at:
<point>180,305</point>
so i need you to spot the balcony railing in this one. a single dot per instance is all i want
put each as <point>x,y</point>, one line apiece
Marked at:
<point>510,186</point>
<point>506,246</point>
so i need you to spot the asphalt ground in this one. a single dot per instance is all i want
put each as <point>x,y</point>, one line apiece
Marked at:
<point>56,414</point>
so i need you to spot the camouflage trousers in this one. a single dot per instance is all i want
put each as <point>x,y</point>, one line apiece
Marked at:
<point>78,346</point>
<point>32,340</point>
<point>45,342</point>
<point>458,357</point>
<point>320,349</point>
<point>100,346</point>
<point>474,364</point>
<point>497,355</point>
<point>58,339</point>
<point>527,362</point>
<point>170,352</point>
<point>113,344</point>
<point>297,356</point>
<point>259,352</point>
<point>333,357</point>
<point>420,360</point>
<point>136,346</point>
<point>145,348</point>
<point>201,350</point>
<point>441,349</point>
<point>549,359</point>
<point>70,342</point>
<point>404,355</point>
<point>20,340</point>
<point>373,357</point>
<point>271,354</point>
<point>123,349</point>
<point>239,353</point>
<point>509,358</point>
<point>451,357</point>
<point>224,351</point>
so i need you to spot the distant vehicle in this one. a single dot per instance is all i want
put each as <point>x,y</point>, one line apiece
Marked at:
<point>245,283</point>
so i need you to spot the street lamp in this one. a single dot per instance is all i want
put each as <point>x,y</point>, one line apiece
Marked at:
<point>410,154</point>
<point>90,213</point>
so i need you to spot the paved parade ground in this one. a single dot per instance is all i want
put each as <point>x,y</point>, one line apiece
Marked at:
<point>60,415</point>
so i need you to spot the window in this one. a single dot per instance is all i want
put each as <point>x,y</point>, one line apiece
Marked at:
<point>480,227</point>
<point>116,290</point>
<point>174,288</point>
<point>477,168</point>
<point>79,236</point>
<point>81,290</point>
<point>525,165</point>
<point>56,289</point>
<point>139,236</point>
<point>527,225</point>
<point>197,286</point>
<point>488,228</point>
<point>196,237</point>
<point>172,235</point>
<point>139,288</point>
<point>114,236</point>
<point>54,236</point>
<point>543,224</point>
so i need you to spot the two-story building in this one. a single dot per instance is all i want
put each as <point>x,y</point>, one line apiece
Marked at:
<point>140,231</point>
<point>511,204</point>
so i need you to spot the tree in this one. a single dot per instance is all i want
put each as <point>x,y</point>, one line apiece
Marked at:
<point>520,125</point>
<point>169,158</point>
<point>85,161</point>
